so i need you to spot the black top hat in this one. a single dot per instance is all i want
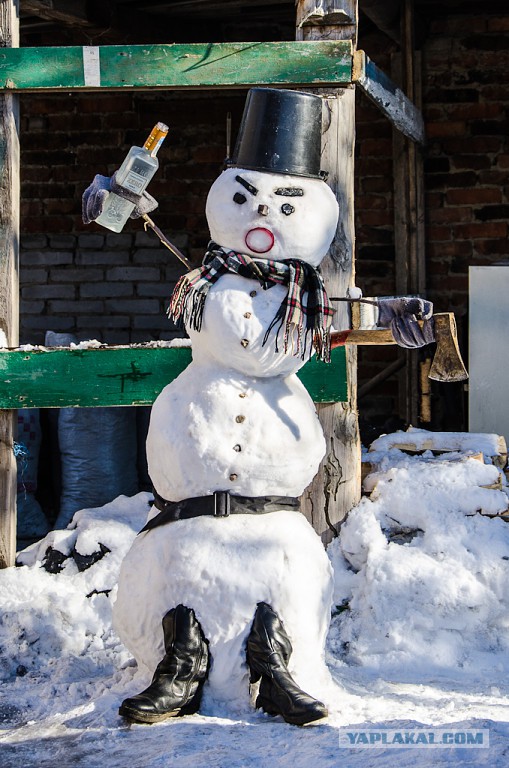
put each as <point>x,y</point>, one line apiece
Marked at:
<point>280,132</point>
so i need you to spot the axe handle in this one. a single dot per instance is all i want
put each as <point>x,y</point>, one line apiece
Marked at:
<point>367,337</point>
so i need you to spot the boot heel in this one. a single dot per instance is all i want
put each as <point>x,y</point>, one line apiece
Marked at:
<point>267,706</point>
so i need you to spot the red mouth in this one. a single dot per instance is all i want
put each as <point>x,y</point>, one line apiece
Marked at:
<point>259,240</point>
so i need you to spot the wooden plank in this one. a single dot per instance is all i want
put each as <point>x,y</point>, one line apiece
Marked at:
<point>409,215</point>
<point>337,486</point>
<point>62,377</point>
<point>390,99</point>
<point>176,66</point>
<point>9,289</point>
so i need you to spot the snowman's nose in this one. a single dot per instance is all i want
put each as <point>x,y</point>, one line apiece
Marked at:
<point>263,210</point>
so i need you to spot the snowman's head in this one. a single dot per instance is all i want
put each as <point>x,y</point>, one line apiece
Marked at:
<point>273,215</point>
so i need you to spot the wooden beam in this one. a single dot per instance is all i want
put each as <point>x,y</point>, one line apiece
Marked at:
<point>211,65</point>
<point>72,12</point>
<point>388,97</point>
<point>409,212</point>
<point>9,271</point>
<point>133,375</point>
<point>337,486</point>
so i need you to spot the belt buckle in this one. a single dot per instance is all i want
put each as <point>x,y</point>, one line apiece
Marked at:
<point>221,504</point>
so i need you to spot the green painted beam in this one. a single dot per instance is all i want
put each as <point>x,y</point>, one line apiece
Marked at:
<point>197,65</point>
<point>61,377</point>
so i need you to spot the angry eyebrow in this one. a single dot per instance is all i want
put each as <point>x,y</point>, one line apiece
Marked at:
<point>289,191</point>
<point>246,185</point>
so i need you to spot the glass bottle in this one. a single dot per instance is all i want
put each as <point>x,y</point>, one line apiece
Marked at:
<point>134,174</point>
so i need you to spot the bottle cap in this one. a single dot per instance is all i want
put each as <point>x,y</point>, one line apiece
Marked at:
<point>156,137</point>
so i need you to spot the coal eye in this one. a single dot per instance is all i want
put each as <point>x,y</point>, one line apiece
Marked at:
<point>239,198</point>
<point>287,209</point>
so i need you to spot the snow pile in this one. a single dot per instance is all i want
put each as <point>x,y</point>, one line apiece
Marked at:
<point>56,610</point>
<point>423,439</point>
<point>419,635</point>
<point>421,575</point>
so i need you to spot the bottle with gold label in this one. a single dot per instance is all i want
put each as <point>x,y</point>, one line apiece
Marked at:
<point>134,174</point>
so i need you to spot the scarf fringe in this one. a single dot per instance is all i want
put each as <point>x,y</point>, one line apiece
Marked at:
<point>187,303</point>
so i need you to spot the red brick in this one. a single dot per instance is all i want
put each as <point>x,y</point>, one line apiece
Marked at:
<point>493,176</point>
<point>476,162</point>
<point>445,215</point>
<point>448,250</point>
<point>477,111</point>
<point>476,196</point>
<point>469,145</point>
<point>493,248</point>
<point>376,148</point>
<point>439,233</point>
<point>481,230</point>
<point>498,24</point>
<point>450,128</point>
<point>367,202</point>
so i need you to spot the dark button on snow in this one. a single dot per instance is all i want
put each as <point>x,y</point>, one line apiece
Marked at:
<point>237,448</point>
<point>253,294</point>
<point>244,342</point>
<point>247,314</point>
<point>233,477</point>
<point>239,419</point>
<point>242,394</point>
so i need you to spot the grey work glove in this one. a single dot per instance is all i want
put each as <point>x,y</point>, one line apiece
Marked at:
<point>95,196</point>
<point>401,315</point>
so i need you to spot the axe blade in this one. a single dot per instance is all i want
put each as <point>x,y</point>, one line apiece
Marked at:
<point>447,364</point>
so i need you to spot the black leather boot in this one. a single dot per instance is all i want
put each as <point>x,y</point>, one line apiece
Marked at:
<point>177,684</point>
<point>268,652</point>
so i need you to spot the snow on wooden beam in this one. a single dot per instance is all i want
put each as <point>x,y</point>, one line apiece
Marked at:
<point>59,377</point>
<point>390,99</point>
<point>197,65</point>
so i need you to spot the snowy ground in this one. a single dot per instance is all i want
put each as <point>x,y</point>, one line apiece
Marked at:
<point>419,636</point>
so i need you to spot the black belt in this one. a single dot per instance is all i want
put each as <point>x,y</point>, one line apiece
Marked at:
<point>218,504</point>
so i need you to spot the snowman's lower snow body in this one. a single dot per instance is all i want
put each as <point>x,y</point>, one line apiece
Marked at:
<point>236,419</point>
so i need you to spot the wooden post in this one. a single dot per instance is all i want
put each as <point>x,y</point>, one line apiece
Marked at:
<point>336,488</point>
<point>9,268</point>
<point>409,209</point>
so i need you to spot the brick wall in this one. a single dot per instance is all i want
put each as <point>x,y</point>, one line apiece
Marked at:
<point>110,287</point>
<point>466,68</point>
<point>465,76</point>
<point>81,279</point>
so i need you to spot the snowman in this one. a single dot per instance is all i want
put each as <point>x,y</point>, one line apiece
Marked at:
<point>227,584</point>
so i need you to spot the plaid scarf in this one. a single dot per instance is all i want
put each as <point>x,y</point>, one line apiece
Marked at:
<point>188,299</point>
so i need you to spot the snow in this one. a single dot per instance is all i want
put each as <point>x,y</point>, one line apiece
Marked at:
<point>95,344</point>
<point>422,439</point>
<point>419,637</point>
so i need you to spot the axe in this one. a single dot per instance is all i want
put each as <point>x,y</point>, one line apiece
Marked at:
<point>447,364</point>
